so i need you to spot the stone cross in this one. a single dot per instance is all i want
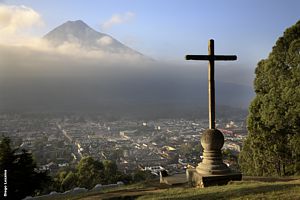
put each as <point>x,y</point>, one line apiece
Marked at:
<point>212,170</point>
<point>211,57</point>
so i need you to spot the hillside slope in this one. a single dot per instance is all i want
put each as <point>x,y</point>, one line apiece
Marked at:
<point>235,190</point>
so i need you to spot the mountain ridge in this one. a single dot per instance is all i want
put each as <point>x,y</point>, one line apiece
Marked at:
<point>80,33</point>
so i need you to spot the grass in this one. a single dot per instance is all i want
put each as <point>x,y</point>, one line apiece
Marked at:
<point>235,190</point>
<point>124,188</point>
<point>137,186</point>
<point>285,190</point>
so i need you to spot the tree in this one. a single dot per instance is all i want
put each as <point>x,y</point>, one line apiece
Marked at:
<point>110,172</point>
<point>69,181</point>
<point>89,172</point>
<point>140,176</point>
<point>272,145</point>
<point>23,178</point>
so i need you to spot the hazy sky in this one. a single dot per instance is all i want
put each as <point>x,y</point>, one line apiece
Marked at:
<point>34,74</point>
<point>169,29</point>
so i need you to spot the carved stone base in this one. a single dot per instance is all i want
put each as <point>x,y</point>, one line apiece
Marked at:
<point>196,179</point>
<point>211,171</point>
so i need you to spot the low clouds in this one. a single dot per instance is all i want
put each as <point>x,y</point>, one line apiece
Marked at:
<point>16,22</point>
<point>104,41</point>
<point>14,19</point>
<point>35,80</point>
<point>118,19</point>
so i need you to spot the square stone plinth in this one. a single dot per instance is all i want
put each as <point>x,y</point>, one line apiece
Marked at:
<point>202,180</point>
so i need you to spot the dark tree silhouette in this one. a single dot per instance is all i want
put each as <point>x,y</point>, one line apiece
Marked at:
<point>23,178</point>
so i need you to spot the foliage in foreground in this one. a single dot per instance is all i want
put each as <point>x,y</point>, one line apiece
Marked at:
<point>88,173</point>
<point>22,177</point>
<point>273,144</point>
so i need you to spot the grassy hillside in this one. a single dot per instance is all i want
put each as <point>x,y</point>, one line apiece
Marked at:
<point>247,189</point>
<point>235,190</point>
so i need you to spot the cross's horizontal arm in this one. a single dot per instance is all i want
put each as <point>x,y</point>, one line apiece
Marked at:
<point>210,57</point>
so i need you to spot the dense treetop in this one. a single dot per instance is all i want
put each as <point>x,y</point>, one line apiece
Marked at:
<point>273,143</point>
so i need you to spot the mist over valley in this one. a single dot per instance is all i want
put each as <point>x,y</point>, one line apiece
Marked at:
<point>77,69</point>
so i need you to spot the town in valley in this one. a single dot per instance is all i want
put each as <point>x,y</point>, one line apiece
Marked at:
<point>60,141</point>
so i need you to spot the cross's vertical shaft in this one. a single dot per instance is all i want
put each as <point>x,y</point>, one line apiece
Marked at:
<point>211,84</point>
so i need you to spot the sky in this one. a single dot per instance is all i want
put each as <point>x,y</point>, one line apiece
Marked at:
<point>167,30</point>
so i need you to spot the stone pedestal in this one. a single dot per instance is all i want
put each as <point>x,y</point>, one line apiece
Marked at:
<point>212,171</point>
<point>201,180</point>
